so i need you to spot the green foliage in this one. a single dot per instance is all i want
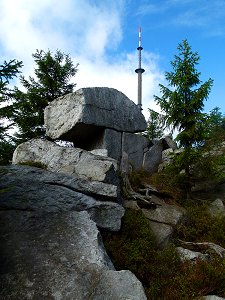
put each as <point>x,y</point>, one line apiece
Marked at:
<point>183,104</point>
<point>36,164</point>
<point>136,177</point>
<point>215,126</point>
<point>205,166</point>
<point>154,125</point>
<point>162,273</point>
<point>6,152</point>
<point>171,180</point>
<point>53,74</point>
<point>8,70</point>
<point>201,226</point>
<point>210,166</point>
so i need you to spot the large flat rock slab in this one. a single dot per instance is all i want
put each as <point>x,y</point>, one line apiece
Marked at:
<point>81,115</point>
<point>25,188</point>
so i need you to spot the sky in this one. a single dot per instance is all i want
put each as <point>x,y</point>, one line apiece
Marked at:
<point>102,36</point>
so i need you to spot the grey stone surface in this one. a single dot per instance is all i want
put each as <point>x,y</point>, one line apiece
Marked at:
<point>134,145</point>
<point>153,157</point>
<point>111,142</point>
<point>75,117</point>
<point>49,256</point>
<point>50,245</point>
<point>58,256</point>
<point>166,158</point>
<point>163,218</point>
<point>212,297</point>
<point>190,255</point>
<point>101,152</point>
<point>217,208</point>
<point>168,142</point>
<point>166,213</point>
<point>134,290</point>
<point>72,161</point>
<point>162,233</point>
<point>124,164</point>
<point>26,188</point>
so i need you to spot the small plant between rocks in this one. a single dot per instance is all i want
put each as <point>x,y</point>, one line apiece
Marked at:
<point>36,164</point>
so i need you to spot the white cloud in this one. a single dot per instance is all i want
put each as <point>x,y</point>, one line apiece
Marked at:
<point>87,30</point>
<point>121,76</point>
<point>72,25</point>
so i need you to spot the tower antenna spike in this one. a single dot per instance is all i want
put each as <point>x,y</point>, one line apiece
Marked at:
<point>139,71</point>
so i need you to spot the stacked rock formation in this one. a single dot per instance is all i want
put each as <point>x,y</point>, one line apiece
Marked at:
<point>50,217</point>
<point>61,207</point>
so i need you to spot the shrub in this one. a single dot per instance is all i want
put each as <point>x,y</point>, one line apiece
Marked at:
<point>201,227</point>
<point>136,178</point>
<point>161,272</point>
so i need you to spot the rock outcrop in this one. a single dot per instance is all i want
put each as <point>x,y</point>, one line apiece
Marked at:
<point>50,245</point>
<point>80,190</point>
<point>96,120</point>
<point>73,161</point>
<point>76,116</point>
<point>27,188</point>
<point>58,256</point>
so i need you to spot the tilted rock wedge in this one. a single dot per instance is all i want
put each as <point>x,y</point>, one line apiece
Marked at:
<point>72,161</point>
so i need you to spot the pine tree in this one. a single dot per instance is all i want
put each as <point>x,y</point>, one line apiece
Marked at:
<point>53,74</point>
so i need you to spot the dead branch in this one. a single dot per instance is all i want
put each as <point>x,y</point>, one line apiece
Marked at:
<point>205,246</point>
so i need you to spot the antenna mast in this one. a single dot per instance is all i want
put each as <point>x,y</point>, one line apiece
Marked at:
<point>139,71</point>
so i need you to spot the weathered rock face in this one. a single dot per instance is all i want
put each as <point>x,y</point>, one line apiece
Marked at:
<point>80,116</point>
<point>111,140</point>
<point>134,289</point>
<point>212,297</point>
<point>135,146</point>
<point>33,189</point>
<point>153,157</point>
<point>72,161</point>
<point>58,256</point>
<point>217,208</point>
<point>163,233</point>
<point>163,218</point>
<point>50,245</point>
<point>188,255</point>
<point>165,213</point>
<point>169,142</point>
<point>167,156</point>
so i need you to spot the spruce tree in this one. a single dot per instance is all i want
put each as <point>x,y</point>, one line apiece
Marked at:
<point>8,70</point>
<point>154,125</point>
<point>53,74</point>
<point>183,103</point>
